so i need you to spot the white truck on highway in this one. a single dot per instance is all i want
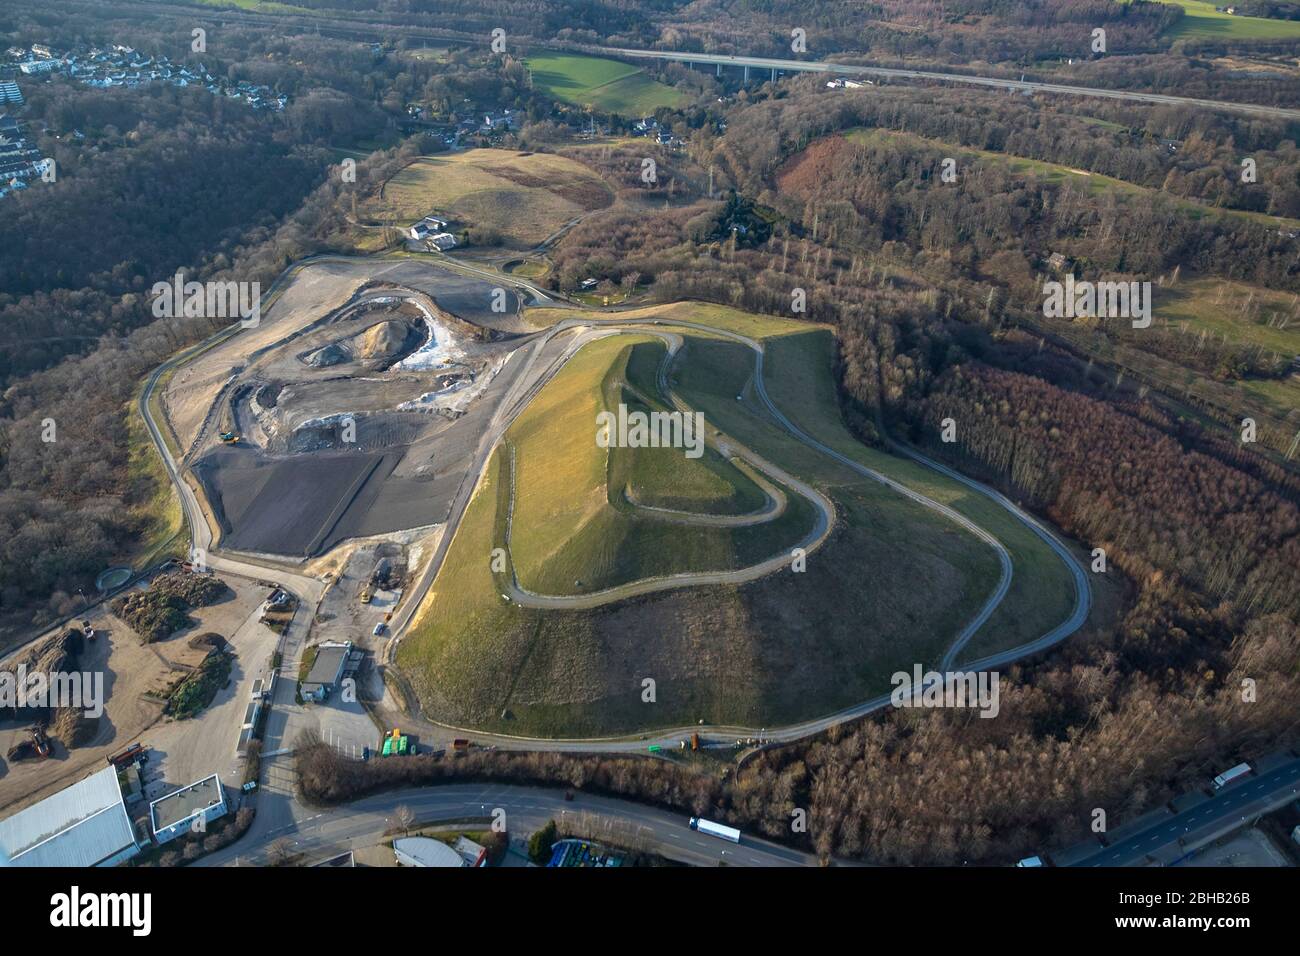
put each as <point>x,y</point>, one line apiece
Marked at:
<point>1236,773</point>
<point>715,829</point>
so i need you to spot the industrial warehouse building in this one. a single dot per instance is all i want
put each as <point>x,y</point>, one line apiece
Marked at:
<point>327,670</point>
<point>424,851</point>
<point>84,825</point>
<point>176,813</point>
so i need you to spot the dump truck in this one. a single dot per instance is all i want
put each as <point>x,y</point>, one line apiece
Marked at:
<point>124,757</point>
<point>88,630</point>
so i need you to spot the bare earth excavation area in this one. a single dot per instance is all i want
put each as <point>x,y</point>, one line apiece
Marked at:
<point>765,579</point>
<point>351,411</point>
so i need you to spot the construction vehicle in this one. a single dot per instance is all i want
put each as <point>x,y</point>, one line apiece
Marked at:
<point>127,756</point>
<point>396,744</point>
<point>88,630</point>
<point>230,438</point>
<point>460,745</point>
<point>40,741</point>
<point>366,595</point>
<point>695,741</point>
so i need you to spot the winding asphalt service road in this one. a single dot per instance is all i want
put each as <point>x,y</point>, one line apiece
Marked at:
<point>725,735</point>
<point>279,811</point>
<point>525,387</point>
<point>813,540</point>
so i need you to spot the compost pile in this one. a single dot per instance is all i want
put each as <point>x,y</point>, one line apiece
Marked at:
<point>161,611</point>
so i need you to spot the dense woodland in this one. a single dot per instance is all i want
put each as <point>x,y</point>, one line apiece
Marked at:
<point>70,507</point>
<point>152,181</point>
<point>924,284</point>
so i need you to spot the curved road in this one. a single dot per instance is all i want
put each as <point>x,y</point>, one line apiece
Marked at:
<point>813,540</point>
<point>365,822</point>
<point>525,387</point>
<point>791,732</point>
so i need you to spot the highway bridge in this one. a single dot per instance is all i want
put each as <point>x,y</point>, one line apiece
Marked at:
<point>772,67</point>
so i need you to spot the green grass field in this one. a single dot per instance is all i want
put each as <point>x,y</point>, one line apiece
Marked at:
<point>890,587</point>
<point>1200,19</point>
<point>574,533</point>
<point>708,485</point>
<point>523,197</point>
<point>609,85</point>
<point>1245,314</point>
<point>1040,595</point>
<point>155,504</point>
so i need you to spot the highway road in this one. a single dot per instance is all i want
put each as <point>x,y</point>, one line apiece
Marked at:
<point>323,833</point>
<point>848,69</point>
<point>1234,807</point>
<point>358,30</point>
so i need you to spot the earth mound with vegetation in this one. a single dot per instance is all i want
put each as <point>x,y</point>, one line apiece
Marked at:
<point>160,611</point>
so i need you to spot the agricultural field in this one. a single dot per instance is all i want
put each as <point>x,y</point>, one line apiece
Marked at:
<point>522,198</point>
<point>891,586</point>
<point>1200,19</point>
<point>609,85</point>
<point>1199,316</point>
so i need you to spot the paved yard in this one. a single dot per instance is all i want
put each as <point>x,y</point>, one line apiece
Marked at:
<point>131,670</point>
